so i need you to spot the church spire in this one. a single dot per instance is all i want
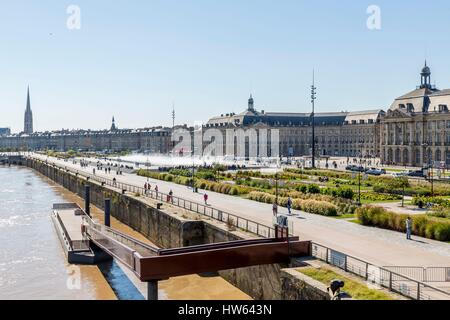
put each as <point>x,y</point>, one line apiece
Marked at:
<point>113,125</point>
<point>28,121</point>
<point>28,99</point>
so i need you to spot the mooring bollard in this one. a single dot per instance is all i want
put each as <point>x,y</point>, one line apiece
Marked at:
<point>87,199</point>
<point>108,212</point>
<point>152,290</point>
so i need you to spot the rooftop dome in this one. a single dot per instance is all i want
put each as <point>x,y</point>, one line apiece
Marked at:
<point>426,70</point>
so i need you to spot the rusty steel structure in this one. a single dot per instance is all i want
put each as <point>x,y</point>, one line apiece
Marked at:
<point>150,263</point>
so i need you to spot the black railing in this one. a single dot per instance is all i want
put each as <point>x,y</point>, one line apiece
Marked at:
<point>393,281</point>
<point>429,274</point>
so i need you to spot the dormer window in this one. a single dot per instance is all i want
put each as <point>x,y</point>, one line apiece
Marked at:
<point>370,121</point>
<point>401,106</point>
<point>443,108</point>
<point>353,121</point>
<point>361,121</point>
<point>410,107</point>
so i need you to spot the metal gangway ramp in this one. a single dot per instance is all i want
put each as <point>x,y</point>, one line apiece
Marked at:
<point>151,264</point>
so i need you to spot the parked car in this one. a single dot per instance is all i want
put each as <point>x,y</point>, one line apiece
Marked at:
<point>417,173</point>
<point>399,174</point>
<point>354,168</point>
<point>376,172</point>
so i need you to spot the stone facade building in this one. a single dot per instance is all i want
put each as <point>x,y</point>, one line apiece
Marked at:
<point>348,134</point>
<point>416,129</point>
<point>153,140</point>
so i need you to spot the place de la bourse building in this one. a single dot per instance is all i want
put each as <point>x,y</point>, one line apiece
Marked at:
<point>415,131</point>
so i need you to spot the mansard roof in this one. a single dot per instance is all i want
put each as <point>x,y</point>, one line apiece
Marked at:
<point>293,119</point>
<point>422,100</point>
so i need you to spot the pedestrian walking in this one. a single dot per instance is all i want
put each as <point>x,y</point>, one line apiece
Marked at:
<point>205,197</point>
<point>114,182</point>
<point>289,205</point>
<point>408,228</point>
<point>275,209</point>
<point>171,196</point>
<point>156,191</point>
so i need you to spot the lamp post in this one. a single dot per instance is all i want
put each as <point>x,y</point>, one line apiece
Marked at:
<point>193,174</point>
<point>276,188</point>
<point>313,98</point>
<point>429,165</point>
<point>359,171</point>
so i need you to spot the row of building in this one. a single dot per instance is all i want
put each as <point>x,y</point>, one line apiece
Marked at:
<point>415,131</point>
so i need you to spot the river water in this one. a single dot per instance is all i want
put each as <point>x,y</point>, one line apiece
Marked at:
<point>33,264</point>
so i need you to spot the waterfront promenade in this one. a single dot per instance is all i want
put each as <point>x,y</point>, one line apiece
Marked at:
<point>378,246</point>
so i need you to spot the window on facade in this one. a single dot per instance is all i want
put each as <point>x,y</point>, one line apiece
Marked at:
<point>401,106</point>
<point>353,121</point>
<point>410,107</point>
<point>418,157</point>
<point>438,155</point>
<point>443,108</point>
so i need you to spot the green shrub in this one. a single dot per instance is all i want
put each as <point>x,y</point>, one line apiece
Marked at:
<point>314,189</point>
<point>422,225</point>
<point>371,196</point>
<point>311,206</point>
<point>346,193</point>
<point>442,232</point>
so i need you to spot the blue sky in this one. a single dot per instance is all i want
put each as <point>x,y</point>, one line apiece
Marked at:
<point>133,59</point>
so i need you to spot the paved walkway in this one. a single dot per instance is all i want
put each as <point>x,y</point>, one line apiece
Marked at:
<point>378,246</point>
<point>397,207</point>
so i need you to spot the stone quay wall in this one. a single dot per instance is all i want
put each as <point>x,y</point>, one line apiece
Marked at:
<point>170,231</point>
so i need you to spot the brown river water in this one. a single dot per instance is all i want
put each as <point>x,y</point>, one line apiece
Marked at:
<point>33,264</point>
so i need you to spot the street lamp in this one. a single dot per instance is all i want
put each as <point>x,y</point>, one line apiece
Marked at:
<point>429,176</point>
<point>359,171</point>
<point>313,98</point>
<point>276,188</point>
<point>193,173</point>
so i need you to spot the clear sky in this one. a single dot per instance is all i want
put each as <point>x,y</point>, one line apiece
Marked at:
<point>133,59</point>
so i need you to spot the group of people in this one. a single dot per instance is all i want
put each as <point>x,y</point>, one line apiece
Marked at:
<point>288,206</point>
<point>84,163</point>
<point>107,170</point>
<point>148,187</point>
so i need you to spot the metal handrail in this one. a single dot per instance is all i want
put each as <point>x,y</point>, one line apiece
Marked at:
<point>64,230</point>
<point>423,274</point>
<point>393,281</point>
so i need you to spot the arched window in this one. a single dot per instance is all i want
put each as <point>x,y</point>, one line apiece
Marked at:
<point>397,156</point>
<point>438,155</point>
<point>405,156</point>
<point>390,156</point>
<point>418,162</point>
